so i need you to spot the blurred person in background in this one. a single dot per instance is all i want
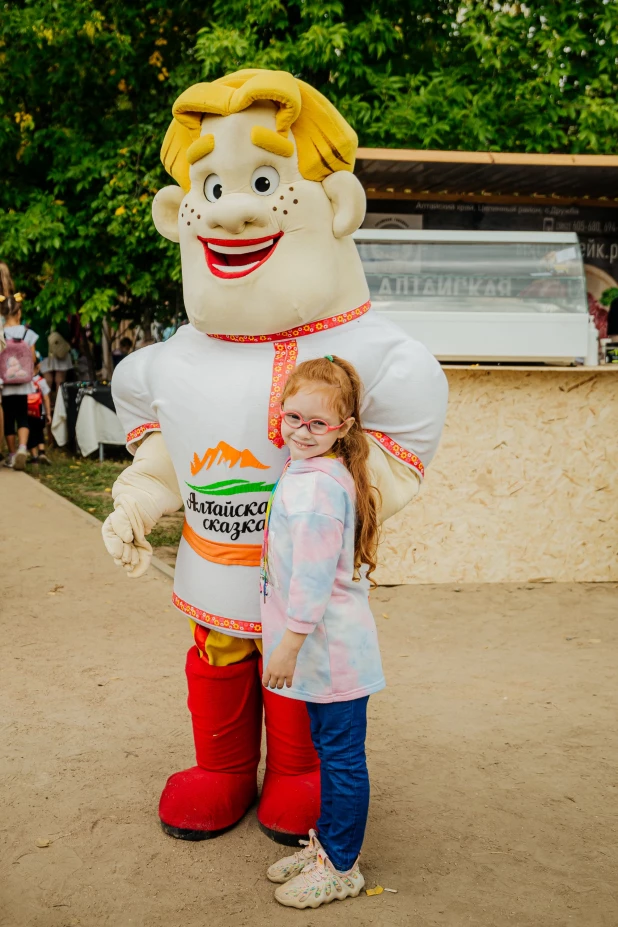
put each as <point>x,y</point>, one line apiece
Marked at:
<point>126,346</point>
<point>39,413</point>
<point>59,361</point>
<point>15,394</point>
<point>2,347</point>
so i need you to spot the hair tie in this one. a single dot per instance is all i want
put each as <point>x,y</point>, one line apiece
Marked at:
<point>2,298</point>
<point>329,357</point>
<point>18,297</point>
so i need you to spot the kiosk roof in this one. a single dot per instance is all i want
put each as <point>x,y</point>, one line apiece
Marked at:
<point>404,171</point>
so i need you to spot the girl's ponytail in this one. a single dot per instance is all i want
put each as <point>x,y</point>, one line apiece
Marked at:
<point>354,448</point>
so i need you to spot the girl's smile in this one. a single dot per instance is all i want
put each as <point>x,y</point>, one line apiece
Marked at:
<point>301,445</point>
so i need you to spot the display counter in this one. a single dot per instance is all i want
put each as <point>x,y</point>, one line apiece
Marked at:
<point>524,486</point>
<point>481,295</point>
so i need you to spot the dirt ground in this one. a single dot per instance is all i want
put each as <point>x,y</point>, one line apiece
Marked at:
<point>492,752</point>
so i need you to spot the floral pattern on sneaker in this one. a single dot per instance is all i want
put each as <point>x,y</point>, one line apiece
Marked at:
<point>320,883</point>
<point>291,866</point>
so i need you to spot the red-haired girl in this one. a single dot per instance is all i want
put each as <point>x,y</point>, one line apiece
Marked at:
<point>320,640</point>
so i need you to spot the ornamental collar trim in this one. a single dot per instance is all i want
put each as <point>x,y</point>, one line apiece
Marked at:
<point>311,328</point>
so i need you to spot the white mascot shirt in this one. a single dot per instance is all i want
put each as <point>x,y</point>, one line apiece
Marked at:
<point>216,401</point>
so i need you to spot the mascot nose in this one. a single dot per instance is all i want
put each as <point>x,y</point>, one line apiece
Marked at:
<point>236,210</point>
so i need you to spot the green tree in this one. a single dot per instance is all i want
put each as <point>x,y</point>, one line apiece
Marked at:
<point>86,91</point>
<point>468,75</point>
<point>86,88</point>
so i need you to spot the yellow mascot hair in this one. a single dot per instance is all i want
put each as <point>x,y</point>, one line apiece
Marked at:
<point>324,141</point>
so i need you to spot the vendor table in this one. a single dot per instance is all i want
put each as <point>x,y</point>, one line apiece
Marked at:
<point>523,487</point>
<point>85,418</point>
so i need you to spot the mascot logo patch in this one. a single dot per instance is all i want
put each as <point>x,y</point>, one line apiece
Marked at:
<point>226,455</point>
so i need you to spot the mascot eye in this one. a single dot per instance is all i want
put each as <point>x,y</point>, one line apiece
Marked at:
<point>212,188</point>
<point>265,180</point>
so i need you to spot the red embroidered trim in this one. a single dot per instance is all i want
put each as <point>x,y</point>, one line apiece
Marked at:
<point>398,451</point>
<point>286,353</point>
<point>141,430</point>
<point>310,329</point>
<point>226,624</point>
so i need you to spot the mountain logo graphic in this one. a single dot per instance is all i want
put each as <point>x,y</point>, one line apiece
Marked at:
<point>231,457</point>
<point>226,454</point>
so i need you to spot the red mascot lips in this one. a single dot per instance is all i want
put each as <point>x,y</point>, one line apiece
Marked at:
<point>232,257</point>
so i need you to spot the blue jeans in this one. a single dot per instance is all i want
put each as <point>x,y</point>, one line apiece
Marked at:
<point>338,731</point>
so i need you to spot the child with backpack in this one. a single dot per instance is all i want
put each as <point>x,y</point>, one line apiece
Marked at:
<point>16,372</point>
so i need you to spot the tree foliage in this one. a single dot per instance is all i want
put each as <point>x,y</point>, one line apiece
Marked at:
<point>86,91</point>
<point>86,88</point>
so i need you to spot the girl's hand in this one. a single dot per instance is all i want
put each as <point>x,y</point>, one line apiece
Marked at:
<point>282,663</point>
<point>280,669</point>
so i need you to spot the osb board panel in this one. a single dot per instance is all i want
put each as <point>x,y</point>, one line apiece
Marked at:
<point>523,487</point>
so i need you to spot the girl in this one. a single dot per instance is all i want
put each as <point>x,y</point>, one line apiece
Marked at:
<point>319,636</point>
<point>15,397</point>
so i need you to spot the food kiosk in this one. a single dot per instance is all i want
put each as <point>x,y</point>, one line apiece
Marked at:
<point>523,488</point>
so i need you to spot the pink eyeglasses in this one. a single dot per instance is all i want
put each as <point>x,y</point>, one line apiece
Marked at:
<point>315,426</point>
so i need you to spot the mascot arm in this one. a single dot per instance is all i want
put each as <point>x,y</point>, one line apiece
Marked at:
<point>397,482</point>
<point>404,414</point>
<point>148,488</point>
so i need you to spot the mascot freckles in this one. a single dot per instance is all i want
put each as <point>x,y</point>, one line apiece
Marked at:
<point>264,207</point>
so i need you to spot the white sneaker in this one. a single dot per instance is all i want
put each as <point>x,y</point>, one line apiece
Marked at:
<point>291,866</point>
<point>319,883</point>
<point>10,461</point>
<point>20,458</point>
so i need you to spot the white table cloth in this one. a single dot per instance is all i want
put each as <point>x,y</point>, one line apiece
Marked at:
<point>96,425</point>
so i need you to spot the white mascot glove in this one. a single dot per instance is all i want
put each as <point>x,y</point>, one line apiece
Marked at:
<point>142,493</point>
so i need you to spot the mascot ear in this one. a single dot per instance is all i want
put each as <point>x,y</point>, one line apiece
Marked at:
<point>348,200</point>
<point>165,208</point>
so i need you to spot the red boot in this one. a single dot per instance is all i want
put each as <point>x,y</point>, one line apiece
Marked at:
<point>290,802</point>
<point>226,707</point>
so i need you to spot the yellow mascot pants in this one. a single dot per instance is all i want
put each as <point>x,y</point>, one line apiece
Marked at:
<point>220,649</point>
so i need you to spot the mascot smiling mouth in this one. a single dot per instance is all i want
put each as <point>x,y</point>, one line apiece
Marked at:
<point>232,257</point>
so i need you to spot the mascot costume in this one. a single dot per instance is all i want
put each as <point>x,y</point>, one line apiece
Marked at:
<point>264,206</point>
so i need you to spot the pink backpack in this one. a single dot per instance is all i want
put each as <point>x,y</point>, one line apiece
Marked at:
<point>16,362</point>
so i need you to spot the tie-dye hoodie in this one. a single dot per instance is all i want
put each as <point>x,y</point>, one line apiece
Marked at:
<point>310,587</point>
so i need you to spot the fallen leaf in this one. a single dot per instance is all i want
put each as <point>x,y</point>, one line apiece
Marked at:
<point>375,891</point>
<point>384,615</point>
<point>42,842</point>
<point>107,489</point>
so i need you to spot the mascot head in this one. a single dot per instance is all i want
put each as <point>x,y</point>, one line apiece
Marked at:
<point>265,206</point>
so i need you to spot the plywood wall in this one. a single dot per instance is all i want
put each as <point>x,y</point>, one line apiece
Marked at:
<point>523,487</point>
